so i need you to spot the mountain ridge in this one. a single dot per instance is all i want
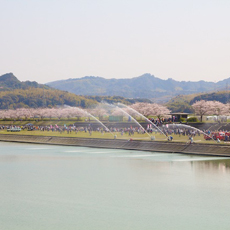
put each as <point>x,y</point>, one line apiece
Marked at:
<point>16,94</point>
<point>144,86</point>
<point>8,82</point>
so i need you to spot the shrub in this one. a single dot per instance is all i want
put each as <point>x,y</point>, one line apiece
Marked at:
<point>192,119</point>
<point>182,119</point>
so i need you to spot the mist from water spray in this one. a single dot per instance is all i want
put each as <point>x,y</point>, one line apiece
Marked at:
<point>191,127</point>
<point>106,128</point>
<point>131,117</point>
<point>186,126</point>
<point>144,118</point>
<point>134,121</point>
<point>89,114</point>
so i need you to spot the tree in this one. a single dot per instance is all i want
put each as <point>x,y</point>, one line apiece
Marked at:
<point>153,109</point>
<point>218,108</point>
<point>203,108</point>
<point>99,112</point>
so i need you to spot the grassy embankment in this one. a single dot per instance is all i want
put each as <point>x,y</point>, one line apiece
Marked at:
<point>81,134</point>
<point>44,122</point>
<point>107,135</point>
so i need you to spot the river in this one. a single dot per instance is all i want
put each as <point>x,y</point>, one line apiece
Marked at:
<point>45,187</point>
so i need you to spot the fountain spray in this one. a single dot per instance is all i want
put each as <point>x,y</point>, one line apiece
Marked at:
<point>89,114</point>
<point>143,117</point>
<point>152,138</point>
<point>188,126</point>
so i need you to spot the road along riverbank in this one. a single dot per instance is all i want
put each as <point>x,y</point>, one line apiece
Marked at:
<point>155,146</point>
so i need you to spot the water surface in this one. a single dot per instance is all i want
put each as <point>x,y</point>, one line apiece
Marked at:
<point>59,187</point>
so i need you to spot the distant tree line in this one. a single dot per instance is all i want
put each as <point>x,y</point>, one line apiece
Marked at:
<point>100,111</point>
<point>183,103</point>
<point>116,99</point>
<point>37,97</point>
<point>222,96</point>
<point>49,98</point>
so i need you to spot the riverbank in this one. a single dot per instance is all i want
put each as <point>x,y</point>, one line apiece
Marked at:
<point>213,126</point>
<point>154,146</point>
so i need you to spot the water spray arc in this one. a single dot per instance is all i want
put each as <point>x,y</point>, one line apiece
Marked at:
<point>144,118</point>
<point>135,121</point>
<point>190,127</point>
<point>114,106</point>
<point>185,126</point>
<point>89,114</point>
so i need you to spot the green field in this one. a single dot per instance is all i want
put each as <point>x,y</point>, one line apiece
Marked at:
<point>107,135</point>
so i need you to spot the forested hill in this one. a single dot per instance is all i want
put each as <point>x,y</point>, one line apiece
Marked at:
<point>37,97</point>
<point>16,94</point>
<point>221,96</point>
<point>145,86</point>
<point>182,103</point>
<point>9,81</point>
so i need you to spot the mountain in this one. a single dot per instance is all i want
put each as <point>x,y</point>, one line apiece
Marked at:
<point>16,94</point>
<point>145,86</point>
<point>9,81</point>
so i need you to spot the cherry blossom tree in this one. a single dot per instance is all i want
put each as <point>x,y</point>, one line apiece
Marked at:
<point>153,109</point>
<point>142,108</point>
<point>227,109</point>
<point>203,108</point>
<point>40,112</point>
<point>117,112</point>
<point>21,113</point>
<point>50,112</point>
<point>26,112</point>
<point>11,114</point>
<point>98,112</point>
<point>159,110</point>
<point>3,114</point>
<point>218,108</point>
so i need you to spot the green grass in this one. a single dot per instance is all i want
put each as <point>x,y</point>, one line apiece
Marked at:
<point>95,134</point>
<point>40,122</point>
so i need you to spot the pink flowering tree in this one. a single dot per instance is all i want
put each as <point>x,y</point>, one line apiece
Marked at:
<point>50,113</point>
<point>98,112</point>
<point>227,109</point>
<point>11,113</point>
<point>160,110</point>
<point>203,108</point>
<point>26,112</point>
<point>40,113</point>
<point>153,109</point>
<point>218,108</point>
<point>142,108</point>
<point>3,114</point>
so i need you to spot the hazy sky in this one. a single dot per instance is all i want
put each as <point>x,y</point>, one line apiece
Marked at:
<point>48,40</point>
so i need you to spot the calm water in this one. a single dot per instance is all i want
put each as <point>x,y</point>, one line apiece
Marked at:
<point>53,187</point>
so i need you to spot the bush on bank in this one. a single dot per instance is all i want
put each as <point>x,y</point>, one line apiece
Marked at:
<point>192,119</point>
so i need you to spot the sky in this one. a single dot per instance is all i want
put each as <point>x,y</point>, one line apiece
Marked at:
<point>49,40</point>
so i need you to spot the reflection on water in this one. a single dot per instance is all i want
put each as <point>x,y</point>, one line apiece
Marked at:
<point>218,165</point>
<point>59,187</point>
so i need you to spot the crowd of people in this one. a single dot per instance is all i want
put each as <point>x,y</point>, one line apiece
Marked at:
<point>126,130</point>
<point>167,130</point>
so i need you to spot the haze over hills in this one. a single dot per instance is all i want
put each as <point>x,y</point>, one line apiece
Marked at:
<point>145,86</point>
<point>16,94</point>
